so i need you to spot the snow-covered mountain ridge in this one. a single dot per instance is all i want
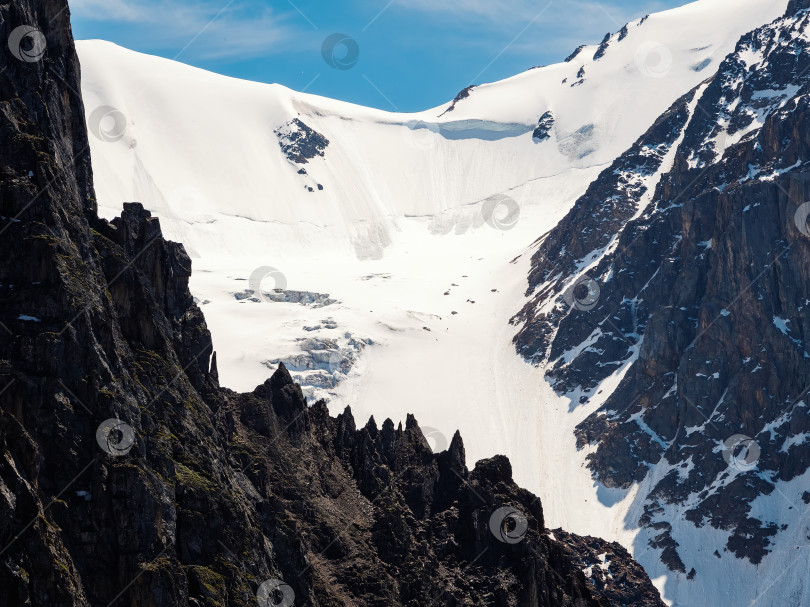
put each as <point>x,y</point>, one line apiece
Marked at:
<point>390,236</point>
<point>482,147</point>
<point>231,193</point>
<point>684,352</point>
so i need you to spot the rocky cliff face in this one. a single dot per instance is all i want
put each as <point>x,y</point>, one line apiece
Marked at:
<point>129,477</point>
<point>683,275</point>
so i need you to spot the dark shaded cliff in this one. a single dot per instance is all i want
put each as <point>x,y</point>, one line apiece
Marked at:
<point>129,477</point>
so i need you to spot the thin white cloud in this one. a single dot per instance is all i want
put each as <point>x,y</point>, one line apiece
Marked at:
<point>470,8</point>
<point>562,25</point>
<point>106,10</point>
<point>205,30</point>
<point>560,13</point>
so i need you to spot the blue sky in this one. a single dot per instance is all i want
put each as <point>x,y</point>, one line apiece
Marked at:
<point>404,55</point>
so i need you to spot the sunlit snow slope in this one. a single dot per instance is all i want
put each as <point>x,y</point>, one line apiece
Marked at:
<point>400,269</point>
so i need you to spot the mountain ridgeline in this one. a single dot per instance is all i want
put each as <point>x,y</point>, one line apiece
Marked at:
<point>128,476</point>
<point>685,269</point>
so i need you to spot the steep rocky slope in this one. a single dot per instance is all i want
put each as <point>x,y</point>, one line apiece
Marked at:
<point>682,276</point>
<point>128,476</point>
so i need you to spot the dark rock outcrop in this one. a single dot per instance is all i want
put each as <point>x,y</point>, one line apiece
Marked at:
<point>462,94</point>
<point>299,142</point>
<point>543,130</point>
<point>575,54</point>
<point>128,476</point>
<point>603,47</point>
